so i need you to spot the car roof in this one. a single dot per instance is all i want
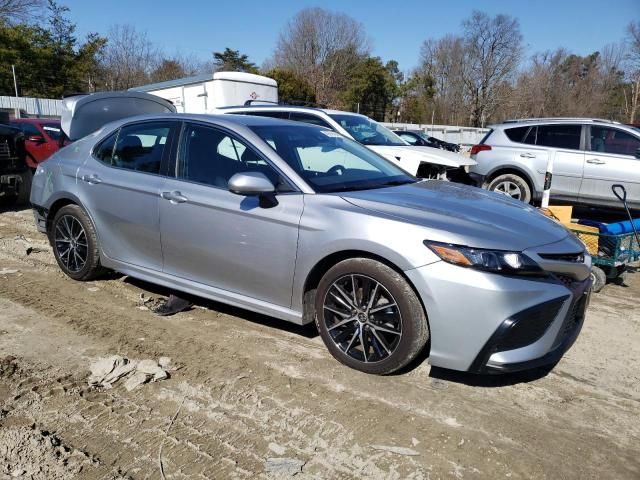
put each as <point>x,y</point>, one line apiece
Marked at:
<point>526,122</point>
<point>290,108</point>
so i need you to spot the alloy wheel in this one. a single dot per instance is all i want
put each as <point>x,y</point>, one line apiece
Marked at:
<point>362,318</point>
<point>509,188</point>
<point>71,245</point>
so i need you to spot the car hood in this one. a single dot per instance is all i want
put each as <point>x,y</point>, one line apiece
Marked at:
<point>424,154</point>
<point>463,215</point>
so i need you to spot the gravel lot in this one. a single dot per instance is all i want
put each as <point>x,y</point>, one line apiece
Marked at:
<point>250,389</point>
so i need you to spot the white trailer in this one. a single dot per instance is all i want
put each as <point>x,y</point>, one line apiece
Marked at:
<point>206,93</point>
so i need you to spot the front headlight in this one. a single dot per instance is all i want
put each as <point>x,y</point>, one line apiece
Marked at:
<point>496,261</point>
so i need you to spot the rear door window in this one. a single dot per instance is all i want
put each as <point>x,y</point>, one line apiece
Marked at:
<point>559,136</point>
<point>140,146</point>
<point>104,151</point>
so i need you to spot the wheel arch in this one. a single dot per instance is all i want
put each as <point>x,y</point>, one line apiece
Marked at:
<point>514,170</point>
<point>63,201</point>
<point>323,265</point>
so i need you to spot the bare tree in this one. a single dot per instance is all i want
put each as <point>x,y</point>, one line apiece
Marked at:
<point>321,46</point>
<point>442,60</point>
<point>493,47</point>
<point>128,59</point>
<point>20,10</point>
<point>632,70</point>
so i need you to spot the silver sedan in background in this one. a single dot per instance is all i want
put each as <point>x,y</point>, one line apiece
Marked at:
<point>300,223</point>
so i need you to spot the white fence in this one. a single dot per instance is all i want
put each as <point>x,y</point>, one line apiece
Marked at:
<point>465,136</point>
<point>39,107</point>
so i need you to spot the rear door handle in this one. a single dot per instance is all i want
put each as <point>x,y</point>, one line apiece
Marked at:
<point>527,155</point>
<point>92,179</point>
<point>596,161</point>
<point>174,197</point>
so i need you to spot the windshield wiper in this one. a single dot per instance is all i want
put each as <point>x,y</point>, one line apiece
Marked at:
<point>395,183</point>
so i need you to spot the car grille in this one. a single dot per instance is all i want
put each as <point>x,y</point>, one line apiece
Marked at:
<point>5,153</point>
<point>566,280</point>
<point>529,325</point>
<point>575,317</point>
<point>564,257</point>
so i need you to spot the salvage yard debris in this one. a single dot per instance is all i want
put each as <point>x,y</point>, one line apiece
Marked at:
<point>284,466</point>
<point>107,371</point>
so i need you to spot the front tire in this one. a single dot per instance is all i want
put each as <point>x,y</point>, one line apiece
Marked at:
<point>511,185</point>
<point>75,243</point>
<point>598,278</point>
<point>369,317</point>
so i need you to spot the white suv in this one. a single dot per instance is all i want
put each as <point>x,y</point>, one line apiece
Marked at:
<point>424,162</point>
<point>591,155</point>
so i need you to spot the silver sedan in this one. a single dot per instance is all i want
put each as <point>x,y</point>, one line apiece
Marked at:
<point>297,222</point>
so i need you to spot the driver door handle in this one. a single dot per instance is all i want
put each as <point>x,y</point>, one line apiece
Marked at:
<point>174,197</point>
<point>92,179</point>
<point>596,161</point>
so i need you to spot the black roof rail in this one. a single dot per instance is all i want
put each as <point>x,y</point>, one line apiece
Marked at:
<point>250,103</point>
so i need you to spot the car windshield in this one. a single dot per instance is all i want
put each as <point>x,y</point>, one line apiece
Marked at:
<point>330,162</point>
<point>366,131</point>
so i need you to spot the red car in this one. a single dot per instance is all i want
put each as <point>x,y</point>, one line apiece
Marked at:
<point>43,137</point>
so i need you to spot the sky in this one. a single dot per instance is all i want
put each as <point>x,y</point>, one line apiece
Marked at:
<point>396,30</point>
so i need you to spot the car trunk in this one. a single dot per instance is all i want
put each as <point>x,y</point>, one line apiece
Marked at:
<point>84,114</point>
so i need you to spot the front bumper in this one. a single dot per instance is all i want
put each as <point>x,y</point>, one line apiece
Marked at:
<point>488,323</point>
<point>40,218</point>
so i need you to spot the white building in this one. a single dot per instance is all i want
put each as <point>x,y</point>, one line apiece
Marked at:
<point>205,93</point>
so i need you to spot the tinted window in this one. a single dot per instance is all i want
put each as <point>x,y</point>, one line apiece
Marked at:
<point>259,113</point>
<point>29,129</point>
<point>53,130</point>
<point>611,140</point>
<point>408,138</point>
<point>516,134</point>
<point>330,162</point>
<point>531,136</point>
<point>212,157</point>
<point>559,136</point>
<point>140,147</point>
<point>308,118</point>
<point>104,150</point>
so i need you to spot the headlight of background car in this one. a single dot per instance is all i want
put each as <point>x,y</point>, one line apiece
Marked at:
<point>497,261</point>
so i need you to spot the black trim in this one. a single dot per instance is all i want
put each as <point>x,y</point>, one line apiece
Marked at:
<point>480,365</point>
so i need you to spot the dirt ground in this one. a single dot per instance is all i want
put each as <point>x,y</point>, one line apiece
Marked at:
<point>251,389</point>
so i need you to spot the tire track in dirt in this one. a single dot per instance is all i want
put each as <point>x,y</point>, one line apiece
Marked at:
<point>250,382</point>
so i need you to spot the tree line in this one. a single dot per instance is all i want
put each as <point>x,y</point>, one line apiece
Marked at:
<point>476,76</point>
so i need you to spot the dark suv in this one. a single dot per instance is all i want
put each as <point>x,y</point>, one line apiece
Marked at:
<point>15,175</point>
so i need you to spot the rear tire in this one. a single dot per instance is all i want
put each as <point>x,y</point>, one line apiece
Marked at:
<point>511,185</point>
<point>75,243</point>
<point>369,317</point>
<point>24,189</point>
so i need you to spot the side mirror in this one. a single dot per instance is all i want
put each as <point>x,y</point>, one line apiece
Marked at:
<point>251,184</point>
<point>35,138</point>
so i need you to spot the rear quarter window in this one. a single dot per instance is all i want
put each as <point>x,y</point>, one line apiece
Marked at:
<point>486,137</point>
<point>516,134</point>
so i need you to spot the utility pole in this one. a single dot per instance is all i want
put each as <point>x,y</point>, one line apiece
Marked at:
<point>15,86</point>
